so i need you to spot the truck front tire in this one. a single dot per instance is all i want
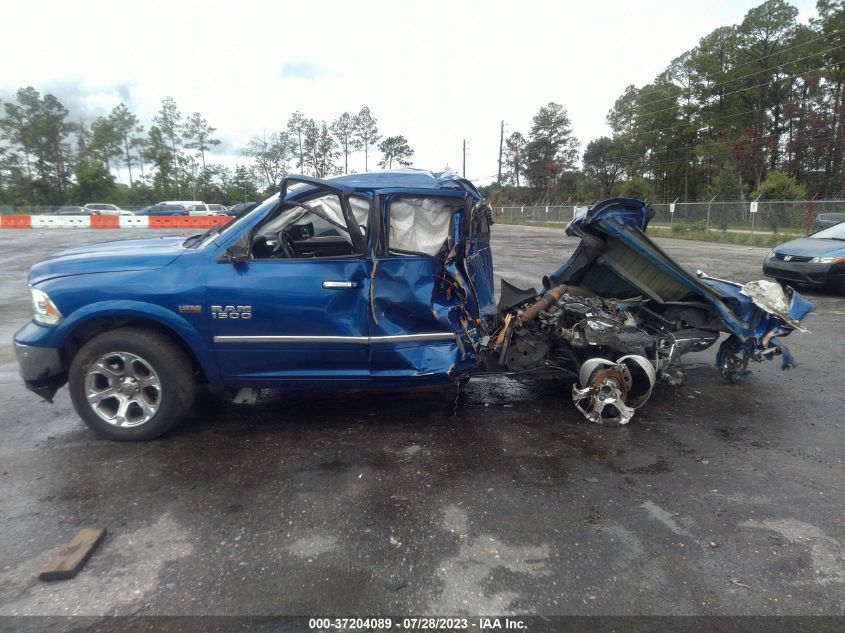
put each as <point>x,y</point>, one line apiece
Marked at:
<point>131,384</point>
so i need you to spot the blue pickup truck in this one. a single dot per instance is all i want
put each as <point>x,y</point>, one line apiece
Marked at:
<point>376,280</point>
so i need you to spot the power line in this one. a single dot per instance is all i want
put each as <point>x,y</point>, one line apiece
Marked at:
<point>826,135</point>
<point>710,120</point>
<point>727,152</point>
<point>652,165</point>
<point>717,85</point>
<point>789,48</point>
<point>698,123</point>
<point>792,61</point>
<point>680,124</point>
<point>687,148</point>
<point>765,83</point>
<point>649,165</point>
<point>696,127</point>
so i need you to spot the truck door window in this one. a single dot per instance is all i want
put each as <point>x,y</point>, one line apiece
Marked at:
<point>309,229</point>
<point>419,225</point>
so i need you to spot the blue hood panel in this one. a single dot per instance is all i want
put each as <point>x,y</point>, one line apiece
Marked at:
<point>627,211</point>
<point>616,259</point>
<point>122,255</point>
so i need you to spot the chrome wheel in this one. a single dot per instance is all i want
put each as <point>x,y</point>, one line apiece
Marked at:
<point>732,363</point>
<point>123,389</point>
<point>613,391</point>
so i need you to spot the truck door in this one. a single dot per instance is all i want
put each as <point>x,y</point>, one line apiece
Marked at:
<point>298,307</point>
<point>419,313</point>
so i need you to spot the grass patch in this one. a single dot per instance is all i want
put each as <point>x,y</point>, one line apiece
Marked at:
<point>681,231</point>
<point>724,237</point>
<point>521,222</point>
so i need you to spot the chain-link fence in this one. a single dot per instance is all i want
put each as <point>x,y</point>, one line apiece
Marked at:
<point>794,216</point>
<point>550,213</point>
<point>783,217</point>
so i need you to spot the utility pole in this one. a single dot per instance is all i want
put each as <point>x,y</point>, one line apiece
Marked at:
<point>465,159</point>
<point>501,142</point>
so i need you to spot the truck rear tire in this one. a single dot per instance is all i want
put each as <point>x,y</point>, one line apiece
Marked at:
<point>131,384</point>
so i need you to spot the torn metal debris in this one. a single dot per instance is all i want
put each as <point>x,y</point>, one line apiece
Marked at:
<point>619,314</point>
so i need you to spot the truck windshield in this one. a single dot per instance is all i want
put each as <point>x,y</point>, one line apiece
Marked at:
<point>203,239</point>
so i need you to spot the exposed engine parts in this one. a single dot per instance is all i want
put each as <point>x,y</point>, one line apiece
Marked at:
<point>617,349</point>
<point>619,314</point>
<point>546,301</point>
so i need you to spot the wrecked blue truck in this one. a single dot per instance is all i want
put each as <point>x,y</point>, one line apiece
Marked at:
<point>377,280</point>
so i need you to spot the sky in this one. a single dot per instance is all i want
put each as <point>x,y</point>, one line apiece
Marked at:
<point>435,72</point>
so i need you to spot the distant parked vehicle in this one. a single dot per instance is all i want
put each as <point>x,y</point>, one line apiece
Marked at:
<point>206,209</point>
<point>242,208</point>
<point>184,203</point>
<point>75,211</point>
<point>824,220</point>
<point>815,260</point>
<point>164,208</point>
<point>107,209</point>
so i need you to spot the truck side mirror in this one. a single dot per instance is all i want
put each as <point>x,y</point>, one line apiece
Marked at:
<point>237,253</point>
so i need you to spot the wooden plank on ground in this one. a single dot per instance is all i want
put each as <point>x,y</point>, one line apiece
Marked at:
<point>73,555</point>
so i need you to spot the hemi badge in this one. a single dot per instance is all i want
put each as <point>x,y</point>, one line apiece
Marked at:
<point>190,309</point>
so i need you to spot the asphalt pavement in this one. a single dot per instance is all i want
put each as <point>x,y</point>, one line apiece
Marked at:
<point>717,499</point>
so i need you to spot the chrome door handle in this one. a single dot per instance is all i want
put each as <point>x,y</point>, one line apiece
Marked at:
<point>336,285</point>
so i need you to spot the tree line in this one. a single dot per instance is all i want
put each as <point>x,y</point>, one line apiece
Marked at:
<point>48,159</point>
<point>323,149</point>
<point>755,109</point>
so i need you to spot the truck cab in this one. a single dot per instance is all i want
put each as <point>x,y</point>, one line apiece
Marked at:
<point>367,280</point>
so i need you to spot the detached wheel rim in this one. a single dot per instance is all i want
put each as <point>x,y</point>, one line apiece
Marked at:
<point>123,389</point>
